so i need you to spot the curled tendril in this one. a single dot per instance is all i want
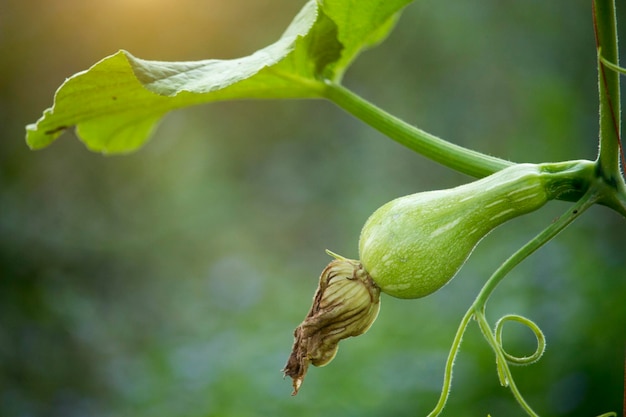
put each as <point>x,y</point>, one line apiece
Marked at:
<point>494,338</point>
<point>541,340</point>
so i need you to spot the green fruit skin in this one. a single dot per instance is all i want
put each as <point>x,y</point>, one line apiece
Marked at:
<point>414,245</point>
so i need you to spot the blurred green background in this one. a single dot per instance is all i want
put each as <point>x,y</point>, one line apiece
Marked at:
<point>168,282</point>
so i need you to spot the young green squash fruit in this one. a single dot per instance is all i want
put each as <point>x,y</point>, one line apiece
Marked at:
<point>414,245</point>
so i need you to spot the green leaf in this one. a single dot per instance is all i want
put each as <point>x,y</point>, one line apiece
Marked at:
<point>117,103</point>
<point>361,27</point>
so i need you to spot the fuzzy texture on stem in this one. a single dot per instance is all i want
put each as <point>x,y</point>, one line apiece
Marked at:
<point>605,28</point>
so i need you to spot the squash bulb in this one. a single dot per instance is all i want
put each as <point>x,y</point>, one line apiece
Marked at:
<point>414,245</point>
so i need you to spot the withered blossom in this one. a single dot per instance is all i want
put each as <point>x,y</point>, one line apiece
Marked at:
<point>345,304</point>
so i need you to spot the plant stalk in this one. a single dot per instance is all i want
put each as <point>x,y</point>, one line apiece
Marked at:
<point>605,26</point>
<point>461,159</point>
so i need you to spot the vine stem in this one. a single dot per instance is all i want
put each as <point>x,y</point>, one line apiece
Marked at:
<point>461,159</point>
<point>478,307</point>
<point>611,147</point>
<point>605,28</point>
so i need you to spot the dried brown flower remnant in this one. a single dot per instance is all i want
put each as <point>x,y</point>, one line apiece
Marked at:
<point>345,304</point>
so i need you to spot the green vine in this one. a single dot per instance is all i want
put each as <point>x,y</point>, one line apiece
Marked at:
<point>609,92</point>
<point>461,159</point>
<point>607,189</point>
<point>478,307</point>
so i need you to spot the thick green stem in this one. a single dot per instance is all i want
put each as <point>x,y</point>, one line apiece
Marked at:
<point>609,90</point>
<point>608,161</point>
<point>453,156</point>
